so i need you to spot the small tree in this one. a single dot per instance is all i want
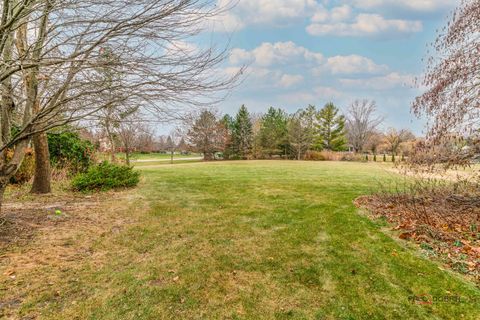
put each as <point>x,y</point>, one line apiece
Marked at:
<point>228,125</point>
<point>394,138</point>
<point>206,134</point>
<point>331,128</point>
<point>374,142</point>
<point>243,133</point>
<point>171,147</point>
<point>301,131</point>
<point>273,132</point>
<point>130,133</point>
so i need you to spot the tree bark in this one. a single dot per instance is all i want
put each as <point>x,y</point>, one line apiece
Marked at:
<point>42,178</point>
<point>3,186</point>
<point>127,156</point>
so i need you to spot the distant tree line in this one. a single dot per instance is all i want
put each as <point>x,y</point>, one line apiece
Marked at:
<point>277,134</point>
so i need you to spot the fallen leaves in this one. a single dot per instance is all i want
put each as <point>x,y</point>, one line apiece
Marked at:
<point>443,228</point>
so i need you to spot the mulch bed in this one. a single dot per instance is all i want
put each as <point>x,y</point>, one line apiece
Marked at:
<point>446,226</point>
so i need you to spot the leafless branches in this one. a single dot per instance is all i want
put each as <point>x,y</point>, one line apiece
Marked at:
<point>64,61</point>
<point>362,121</point>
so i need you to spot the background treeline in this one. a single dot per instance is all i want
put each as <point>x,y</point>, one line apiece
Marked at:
<point>310,133</point>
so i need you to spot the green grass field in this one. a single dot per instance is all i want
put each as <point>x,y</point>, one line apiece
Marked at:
<point>256,240</point>
<point>158,156</point>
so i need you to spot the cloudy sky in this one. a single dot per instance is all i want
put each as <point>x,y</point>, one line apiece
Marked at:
<point>302,52</point>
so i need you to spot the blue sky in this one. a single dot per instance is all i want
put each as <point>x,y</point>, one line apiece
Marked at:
<point>302,52</point>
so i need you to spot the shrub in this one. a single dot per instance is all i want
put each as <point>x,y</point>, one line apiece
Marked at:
<point>69,151</point>
<point>332,155</point>
<point>106,176</point>
<point>352,157</point>
<point>314,156</point>
<point>26,170</point>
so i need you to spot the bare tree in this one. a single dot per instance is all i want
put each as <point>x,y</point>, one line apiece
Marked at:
<point>173,141</point>
<point>362,121</point>
<point>374,142</point>
<point>394,138</point>
<point>59,76</point>
<point>452,98</point>
<point>133,134</point>
<point>206,134</point>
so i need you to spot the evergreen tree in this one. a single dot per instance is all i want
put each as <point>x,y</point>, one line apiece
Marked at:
<point>242,136</point>
<point>273,132</point>
<point>331,129</point>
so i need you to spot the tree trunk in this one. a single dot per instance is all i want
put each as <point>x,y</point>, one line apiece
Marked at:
<point>171,159</point>
<point>113,159</point>
<point>127,156</point>
<point>42,177</point>
<point>3,186</point>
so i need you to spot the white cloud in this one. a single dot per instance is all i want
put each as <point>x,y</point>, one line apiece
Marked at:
<point>390,81</point>
<point>261,78</point>
<point>336,14</point>
<point>354,64</point>
<point>288,54</point>
<point>268,54</point>
<point>366,25</point>
<point>412,5</point>
<point>319,93</point>
<point>263,12</point>
<point>290,80</point>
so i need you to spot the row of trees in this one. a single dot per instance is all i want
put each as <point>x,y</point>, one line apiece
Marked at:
<point>279,134</point>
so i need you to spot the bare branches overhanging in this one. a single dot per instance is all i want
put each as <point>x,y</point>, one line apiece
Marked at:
<point>65,60</point>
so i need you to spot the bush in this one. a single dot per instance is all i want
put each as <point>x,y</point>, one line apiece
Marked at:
<point>314,156</point>
<point>69,151</point>
<point>106,176</point>
<point>26,170</point>
<point>353,157</point>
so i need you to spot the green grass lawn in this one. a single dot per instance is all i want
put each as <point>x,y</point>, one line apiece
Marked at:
<point>256,240</point>
<point>157,156</point>
<point>163,162</point>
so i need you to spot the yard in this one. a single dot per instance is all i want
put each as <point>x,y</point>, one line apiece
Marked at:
<point>231,240</point>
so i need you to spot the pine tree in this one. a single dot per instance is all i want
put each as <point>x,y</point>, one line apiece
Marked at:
<point>242,134</point>
<point>273,132</point>
<point>331,129</point>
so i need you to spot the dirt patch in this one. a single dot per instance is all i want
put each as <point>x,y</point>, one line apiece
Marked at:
<point>444,225</point>
<point>19,221</point>
<point>46,238</point>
